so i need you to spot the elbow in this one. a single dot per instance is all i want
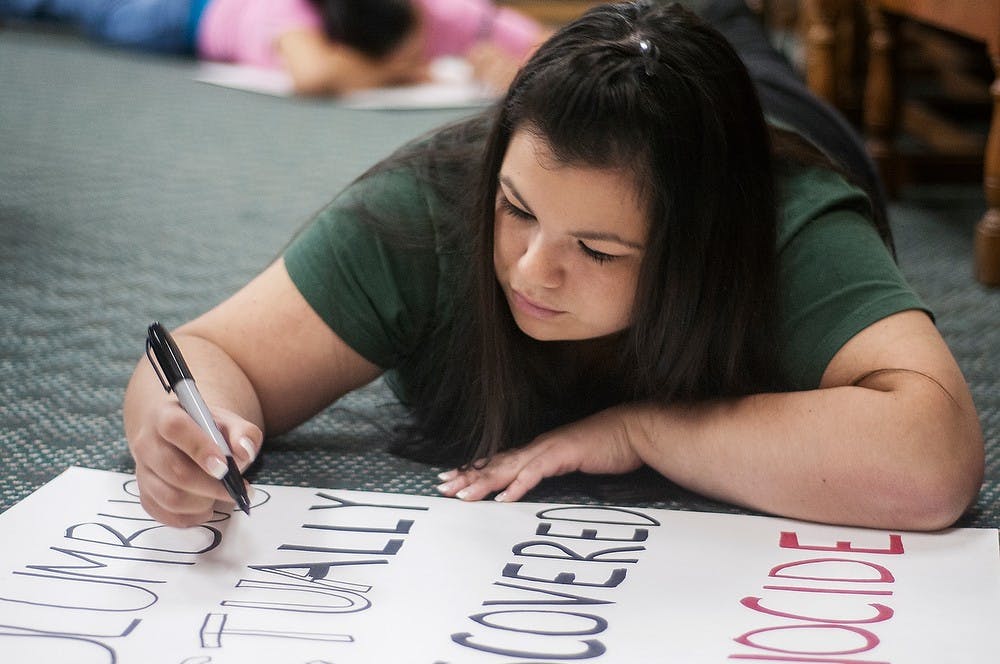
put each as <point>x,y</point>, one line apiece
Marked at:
<point>941,463</point>
<point>939,493</point>
<point>937,508</point>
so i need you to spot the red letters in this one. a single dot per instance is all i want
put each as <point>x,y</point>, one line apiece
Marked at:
<point>791,541</point>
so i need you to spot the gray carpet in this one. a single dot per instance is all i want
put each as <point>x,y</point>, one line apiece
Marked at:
<point>129,192</point>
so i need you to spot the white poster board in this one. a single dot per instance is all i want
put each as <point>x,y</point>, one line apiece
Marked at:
<point>340,577</point>
<point>451,86</point>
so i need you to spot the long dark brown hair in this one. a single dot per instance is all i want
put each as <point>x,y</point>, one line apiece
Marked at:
<point>652,90</point>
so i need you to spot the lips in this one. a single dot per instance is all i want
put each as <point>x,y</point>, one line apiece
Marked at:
<point>532,308</point>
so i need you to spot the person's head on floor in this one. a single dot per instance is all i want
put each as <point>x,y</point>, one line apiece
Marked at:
<point>373,27</point>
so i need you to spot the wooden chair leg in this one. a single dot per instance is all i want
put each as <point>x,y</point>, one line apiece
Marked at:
<point>881,102</point>
<point>821,58</point>
<point>987,241</point>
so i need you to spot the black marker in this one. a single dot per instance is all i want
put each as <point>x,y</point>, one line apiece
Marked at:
<point>173,372</point>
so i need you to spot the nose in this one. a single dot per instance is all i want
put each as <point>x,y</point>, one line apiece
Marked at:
<point>540,265</point>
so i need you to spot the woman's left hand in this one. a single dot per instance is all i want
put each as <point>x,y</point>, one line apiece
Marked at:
<point>597,444</point>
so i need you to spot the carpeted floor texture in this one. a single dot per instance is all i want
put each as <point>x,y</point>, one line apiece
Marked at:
<point>129,192</point>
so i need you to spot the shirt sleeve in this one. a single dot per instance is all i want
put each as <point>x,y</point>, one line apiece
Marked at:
<point>376,291</point>
<point>836,275</point>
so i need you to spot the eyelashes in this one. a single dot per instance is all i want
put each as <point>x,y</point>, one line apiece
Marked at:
<point>598,256</point>
<point>509,208</point>
<point>513,210</point>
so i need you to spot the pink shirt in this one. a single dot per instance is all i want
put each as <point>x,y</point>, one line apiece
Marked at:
<point>244,31</point>
<point>452,27</point>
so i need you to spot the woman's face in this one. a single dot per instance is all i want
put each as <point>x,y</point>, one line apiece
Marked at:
<point>568,243</point>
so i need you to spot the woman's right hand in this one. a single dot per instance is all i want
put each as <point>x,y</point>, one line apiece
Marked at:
<point>178,466</point>
<point>265,362</point>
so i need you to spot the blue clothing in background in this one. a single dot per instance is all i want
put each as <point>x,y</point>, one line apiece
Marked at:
<point>162,26</point>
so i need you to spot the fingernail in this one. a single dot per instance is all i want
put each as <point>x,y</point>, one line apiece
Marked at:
<point>461,495</point>
<point>446,475</point>
<point>443,488</point>
<point>217,468</point>
<point>251,492</point>
<point>247,445</point>
<point>501,497</point>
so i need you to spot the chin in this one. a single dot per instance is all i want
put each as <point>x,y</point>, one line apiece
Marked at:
<point>542,332</point>
<point>538,331</point>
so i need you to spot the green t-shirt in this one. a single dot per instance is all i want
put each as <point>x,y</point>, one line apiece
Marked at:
<point>387,300</point>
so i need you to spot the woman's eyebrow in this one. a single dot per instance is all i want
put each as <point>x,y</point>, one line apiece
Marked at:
<point>504,180</point>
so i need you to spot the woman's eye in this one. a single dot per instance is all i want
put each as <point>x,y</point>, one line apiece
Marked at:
<point>593,254</point>
<point>513,210</point>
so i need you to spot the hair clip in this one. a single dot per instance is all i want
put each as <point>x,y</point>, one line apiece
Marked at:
<point>649,54</point>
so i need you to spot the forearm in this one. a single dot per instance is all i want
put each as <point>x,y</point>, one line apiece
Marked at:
<point>220,381</point>
<point>879,456</point>
<point>315,66</point>
<point>320,67</point>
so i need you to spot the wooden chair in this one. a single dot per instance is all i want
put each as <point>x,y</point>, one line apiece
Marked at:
<point>551,12</point>
<point>977,20</point>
